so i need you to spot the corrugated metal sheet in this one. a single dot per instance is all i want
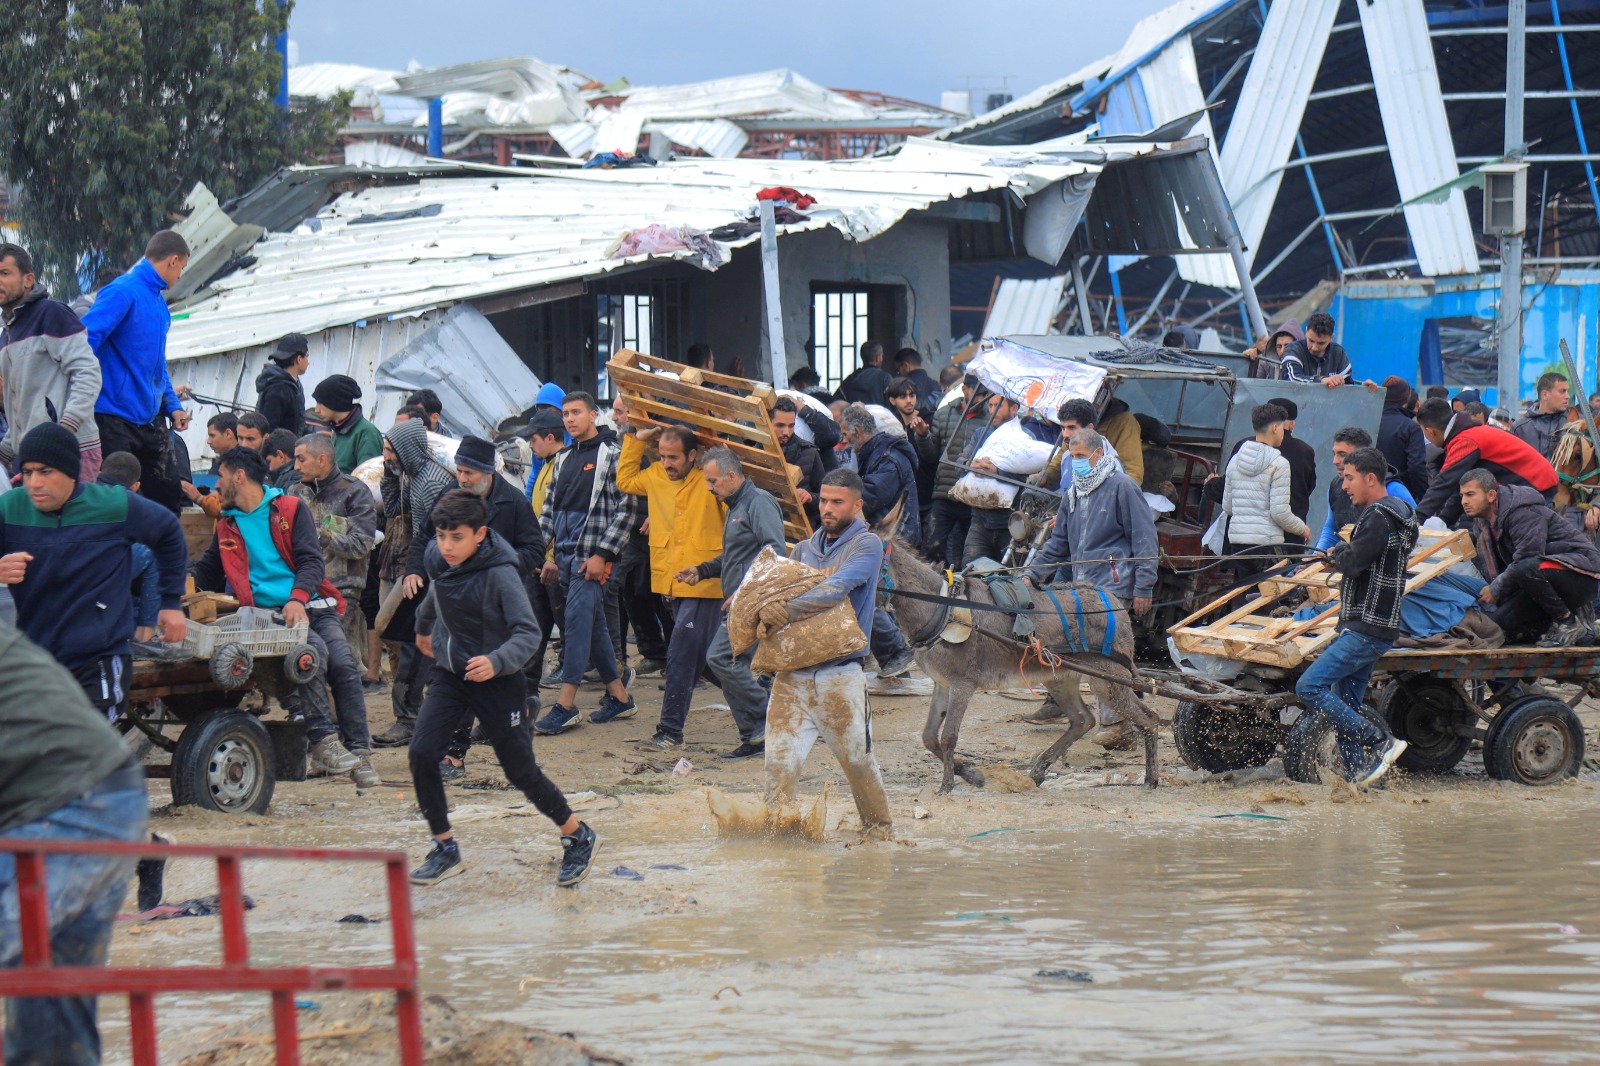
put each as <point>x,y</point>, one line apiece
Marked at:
<point>506,231</point>
<point>480,380</point>
<point>324,81</point>
<point>1149,37</point>
<point>716,137</point>
<point>1272,103</point>
<point>515,91</point>
<point>1024,305</point>
<point>381,154</point>
<point>1406,80</point>
<point>771,94</point>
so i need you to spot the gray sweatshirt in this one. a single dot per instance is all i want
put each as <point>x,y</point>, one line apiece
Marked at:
<point>754,521</point>
<point>478,608</point>
<point>50,372</point>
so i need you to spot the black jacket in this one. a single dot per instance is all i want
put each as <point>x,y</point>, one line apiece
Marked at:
<point>1401,441</point>
<point>888,469</point>
<point>1374,568</point>
<point>1302,473</point>
<point>928,392</point>
<point>1527,527</point>
<point>1300,365</point>
<point>826,432</point>
<point>808,458</point>
<point>512,517</point>
<point>478,608</point>
<point>280,399</point>
<point>866,385</point>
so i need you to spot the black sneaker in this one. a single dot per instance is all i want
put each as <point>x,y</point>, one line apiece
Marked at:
<point>442,862</point>
<point>452,771</point>
<point>152,875</point>
<point>748,749</point>
<point>662,741</point>
<point>898,665</point>
<point>577,852</point>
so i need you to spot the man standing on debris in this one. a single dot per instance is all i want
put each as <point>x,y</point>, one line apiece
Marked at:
<point>829,700</point>
<point>887,467</point>
<point>868,382</point>
<point>48,372</point>
<point>1374,567</point>
<point>266,551</point>
<point>355,439</point>
<point>128,331</point>
<point>65,551</point>
<point>347,525</point>
<point>754,521</point>
<point>1541,568</point>
<point>1541,427</point>
<point>685,531</point>
<point>800,452</point>
<point>587,517</point>
<point>942,444</point>
<point>280,398</point>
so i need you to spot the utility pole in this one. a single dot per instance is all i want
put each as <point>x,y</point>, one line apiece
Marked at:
<point>1510,314</point>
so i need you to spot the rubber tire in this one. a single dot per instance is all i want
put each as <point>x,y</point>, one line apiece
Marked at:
<point>1305,746</point>
<point>1513,727</point>
<point>231,666</point>
<point>218,741</point>
<point>294,671</point>
<point>1410,707</point>
<point>1207,740</point>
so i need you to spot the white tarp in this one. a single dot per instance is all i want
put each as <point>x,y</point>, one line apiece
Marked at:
<point>1039,382</point>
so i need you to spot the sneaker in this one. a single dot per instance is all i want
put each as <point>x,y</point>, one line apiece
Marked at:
<point>628,676</point>
<point>577,852</point>
<point>1117,737</point>
<point>553,681</point>
<point>396,736</point>
<point>331,755</point>
<point>899,664</point>
<point>1049,711</point>
<point>364,775</point>
<point>558,720</point>
<point>452,771</point>
<point>651,668</point>
<point>747,749</point>
<point>151,874</point>
<point>1393,751</point>
<point>662,741</point>
<point>374,686</point>
<point>612,709</point>
<point>1575,632</point>
<point>442,862</point>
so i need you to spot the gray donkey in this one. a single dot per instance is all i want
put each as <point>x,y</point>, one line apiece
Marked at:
<point>991,659</point>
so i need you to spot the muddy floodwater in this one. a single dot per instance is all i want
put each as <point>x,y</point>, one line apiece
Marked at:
<point>1439,919</point>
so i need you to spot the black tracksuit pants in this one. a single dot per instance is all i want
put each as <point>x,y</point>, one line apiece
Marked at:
<point>499,705</point>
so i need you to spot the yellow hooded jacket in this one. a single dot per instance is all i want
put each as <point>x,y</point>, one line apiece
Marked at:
<point>685,521</point>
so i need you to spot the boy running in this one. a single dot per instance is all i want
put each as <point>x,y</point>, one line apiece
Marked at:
<point>477,625</point>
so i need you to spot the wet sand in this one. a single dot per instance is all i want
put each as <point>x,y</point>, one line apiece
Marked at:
<point>1275,922</point>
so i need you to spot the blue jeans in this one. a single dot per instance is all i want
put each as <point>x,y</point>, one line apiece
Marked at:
<point>585,637</point>
<point>1334,686</point>
<point>886,640</point>
<point>85,893</point>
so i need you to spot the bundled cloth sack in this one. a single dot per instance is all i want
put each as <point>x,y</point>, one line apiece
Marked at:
<point>831,634</point>
<point>1012,449</point>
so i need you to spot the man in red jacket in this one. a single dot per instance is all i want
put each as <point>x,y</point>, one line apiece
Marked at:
<point>266,551</point>
<point>1468,446</point>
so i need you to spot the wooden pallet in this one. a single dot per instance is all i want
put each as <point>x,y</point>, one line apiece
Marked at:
<point>1250,632</point>
<point>734,413</point>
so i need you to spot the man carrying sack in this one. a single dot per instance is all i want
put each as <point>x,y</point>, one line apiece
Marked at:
<point>826,698</point>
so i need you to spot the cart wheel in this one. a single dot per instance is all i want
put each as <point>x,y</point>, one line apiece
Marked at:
<point>1536,741</point>
<point>1426,713</point>
<point>302,664</point>
<point>231,665</point>
<point>1311,747</point>
<point>1215,739</point>
<point>224,763</point>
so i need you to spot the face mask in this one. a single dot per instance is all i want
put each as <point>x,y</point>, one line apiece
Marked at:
<point>1082,468</point>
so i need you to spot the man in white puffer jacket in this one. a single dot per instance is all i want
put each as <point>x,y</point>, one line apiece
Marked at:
<point>1256,495</point>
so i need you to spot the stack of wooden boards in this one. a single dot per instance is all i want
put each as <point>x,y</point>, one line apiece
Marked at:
<point>722,410</point>
<point>1252,632</point>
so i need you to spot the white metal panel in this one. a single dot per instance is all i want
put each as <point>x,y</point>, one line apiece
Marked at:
<point>1406,79</point>
<point>480,380</point>
<point>1024,306</point>
<point>716,137</point>
<point>381,154</point>
<point>1272,103</point>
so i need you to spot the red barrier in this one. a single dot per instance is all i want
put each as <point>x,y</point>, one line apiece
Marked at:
<point>37,977</point>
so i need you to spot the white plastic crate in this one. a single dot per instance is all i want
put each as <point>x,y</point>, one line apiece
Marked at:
<point>251,627</point>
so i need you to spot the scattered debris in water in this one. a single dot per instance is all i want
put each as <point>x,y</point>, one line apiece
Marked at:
<point>1067,975</point>
<point>359,919</point>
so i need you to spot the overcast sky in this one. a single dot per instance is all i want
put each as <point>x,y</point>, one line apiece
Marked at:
<point>912,48</point>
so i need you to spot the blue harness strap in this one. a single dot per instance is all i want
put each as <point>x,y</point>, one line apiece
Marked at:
<point>1111,624</point>
<point>1073,644</point>
<point>1076,642</point>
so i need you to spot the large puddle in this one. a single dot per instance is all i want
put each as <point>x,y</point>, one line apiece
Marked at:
<point>1349,934</point>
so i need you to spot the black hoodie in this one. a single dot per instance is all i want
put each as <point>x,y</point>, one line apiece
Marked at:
<point>478,608</point>
<point>280,399</point>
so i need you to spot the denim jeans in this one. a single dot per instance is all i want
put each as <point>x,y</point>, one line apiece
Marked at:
<point>886,640</point>
<point>747,697</point>
<point>695,621</point>
<point>85,892</point>
<point>342,676</point>
<point>585,639</point>
<point>1334,687</point>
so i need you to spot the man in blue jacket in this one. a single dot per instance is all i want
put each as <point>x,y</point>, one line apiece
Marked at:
<point>829,700</point>
<point>128,331</point>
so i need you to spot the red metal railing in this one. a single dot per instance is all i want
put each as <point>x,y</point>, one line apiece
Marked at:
<point>141,984</point>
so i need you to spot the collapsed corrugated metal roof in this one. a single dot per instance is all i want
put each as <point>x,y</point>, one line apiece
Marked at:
<point>402,249</point>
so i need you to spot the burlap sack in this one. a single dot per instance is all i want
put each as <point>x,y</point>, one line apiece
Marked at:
<point>830,634</point>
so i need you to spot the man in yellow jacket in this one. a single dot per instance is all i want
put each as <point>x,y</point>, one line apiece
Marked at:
<point>685,530</point>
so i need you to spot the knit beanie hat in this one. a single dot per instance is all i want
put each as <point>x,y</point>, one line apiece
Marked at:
<point>337,392</point>
<point>1396,390</point>
<point>53,445</point>
<point>476,453</point>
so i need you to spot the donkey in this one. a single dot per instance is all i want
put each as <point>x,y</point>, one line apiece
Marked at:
<point>990,660</point>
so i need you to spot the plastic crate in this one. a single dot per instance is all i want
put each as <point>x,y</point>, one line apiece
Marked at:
<point>252,627</point>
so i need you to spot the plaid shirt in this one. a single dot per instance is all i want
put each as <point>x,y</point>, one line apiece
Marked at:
<point>613,514</point>
<point>1374,567</point>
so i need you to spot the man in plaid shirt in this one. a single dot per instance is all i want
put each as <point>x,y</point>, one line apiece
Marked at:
<point>587,517</point>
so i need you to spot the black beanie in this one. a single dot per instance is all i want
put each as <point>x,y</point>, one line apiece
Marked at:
<point>476,453</point>
<point>53,445</point>
<point>338,392</point>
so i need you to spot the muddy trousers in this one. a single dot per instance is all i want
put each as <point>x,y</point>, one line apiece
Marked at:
<point>498,705</point>
<point>1335,685</point>
<point>695,621</point>
<point>747,697</point>
<point>828,702</point>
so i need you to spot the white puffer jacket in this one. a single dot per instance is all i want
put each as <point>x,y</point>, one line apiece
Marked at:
<point>1256,496</point>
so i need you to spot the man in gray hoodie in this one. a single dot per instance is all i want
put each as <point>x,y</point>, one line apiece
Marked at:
<point>754,521</point>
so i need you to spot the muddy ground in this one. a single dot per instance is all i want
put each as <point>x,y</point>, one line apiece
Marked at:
<point>655,956</point>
